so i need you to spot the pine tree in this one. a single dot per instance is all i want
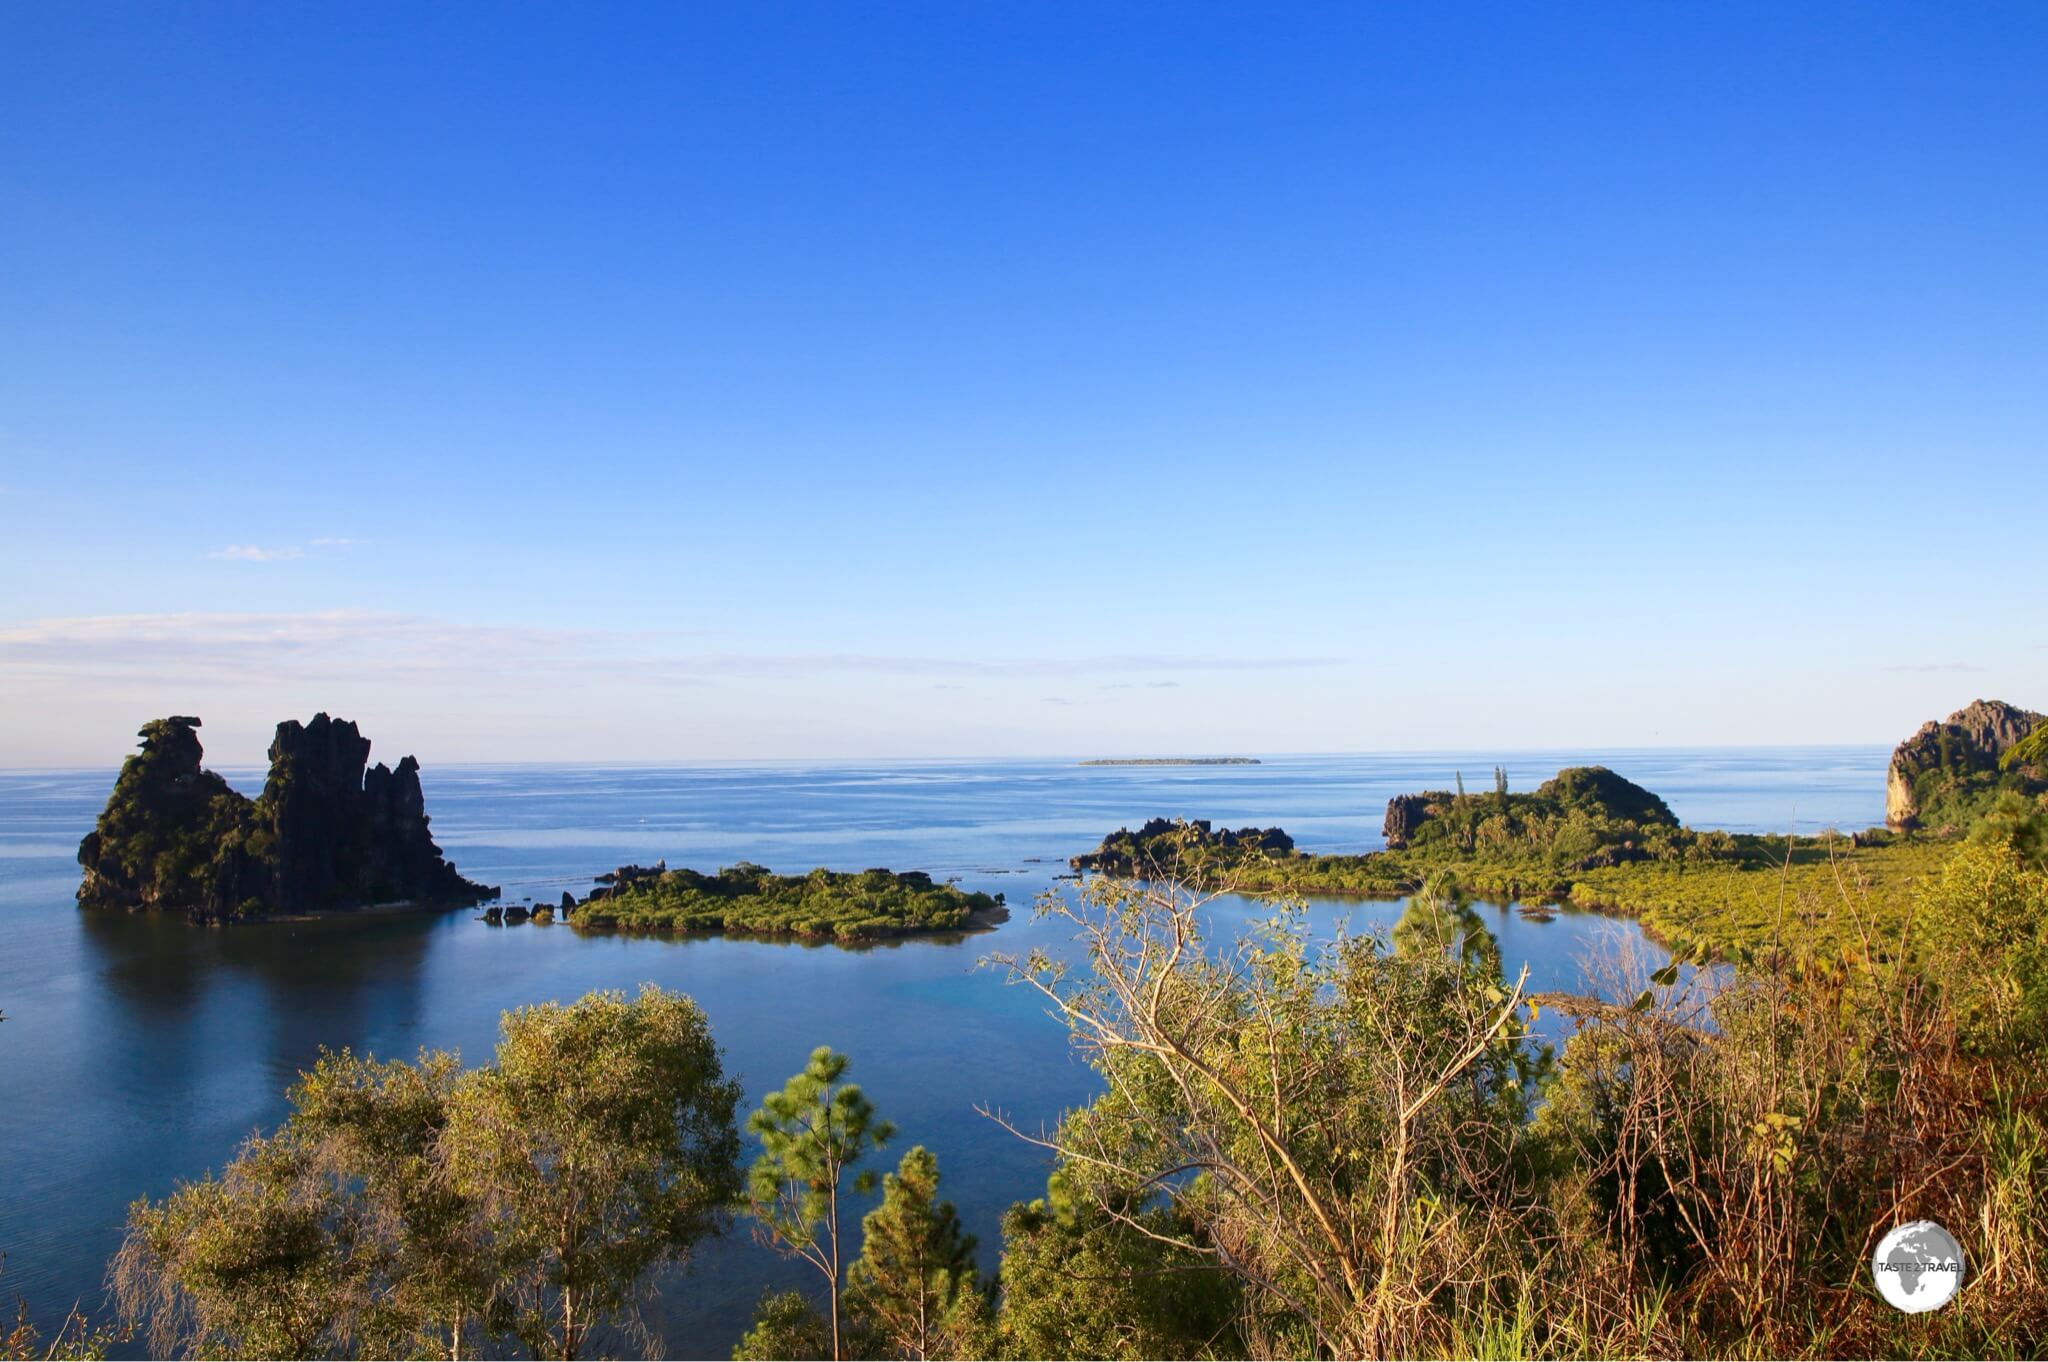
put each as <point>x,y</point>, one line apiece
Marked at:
<point>915,1284</point>
<point>1440,920</point>
<point>812,1134</point>
<point>786,1325</point>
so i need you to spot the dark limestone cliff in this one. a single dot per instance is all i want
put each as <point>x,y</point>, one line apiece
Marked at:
<point>1945,774</point>
<point>324,834</point>
<point>1406,813</point>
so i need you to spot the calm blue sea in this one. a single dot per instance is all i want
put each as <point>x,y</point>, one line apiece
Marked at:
<point>137,1052</point>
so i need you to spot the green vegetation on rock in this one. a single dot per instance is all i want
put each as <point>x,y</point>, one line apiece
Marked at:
<point>326,833</point>
<point>1950,772</point>
<point>747,898</point>
<point>170,829</point>
<point>1584,815</point>
<point>1165,845</point>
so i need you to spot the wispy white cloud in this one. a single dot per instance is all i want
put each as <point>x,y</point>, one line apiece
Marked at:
<point>235,649</point>
<point>1934,667</point>
<point>338,541</point>
<point>335,645</point>
<point>801,664</point>
<point>256,553</point>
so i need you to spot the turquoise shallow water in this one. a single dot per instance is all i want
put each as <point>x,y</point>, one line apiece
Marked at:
<point>139,1051</point>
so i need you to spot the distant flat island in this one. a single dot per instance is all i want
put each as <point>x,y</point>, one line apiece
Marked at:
<point>1173,761</point>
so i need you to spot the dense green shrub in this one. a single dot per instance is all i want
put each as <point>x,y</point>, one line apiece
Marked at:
<point>1365,1149</point>
<point>748,898</point>
<point>417,1209</point>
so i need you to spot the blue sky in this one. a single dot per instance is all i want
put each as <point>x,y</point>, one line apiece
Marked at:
<point>694,381</point>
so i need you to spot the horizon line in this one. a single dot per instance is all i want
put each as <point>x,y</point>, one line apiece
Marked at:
<point>1061,759</point>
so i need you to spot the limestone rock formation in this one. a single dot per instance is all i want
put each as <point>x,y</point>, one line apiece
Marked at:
<point>1610,801</point>
<point>324,833</point>
<point>1406,813</point>
<point>1600,791</point>
<point>1162,842</point>
<point>166,824</point>
<point>1938,776</point>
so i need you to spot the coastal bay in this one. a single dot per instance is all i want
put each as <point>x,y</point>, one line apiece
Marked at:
<point>166,1045</point>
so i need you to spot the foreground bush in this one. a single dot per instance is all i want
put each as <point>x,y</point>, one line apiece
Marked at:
<point>417,1209</point>
<point>1356,1149</point>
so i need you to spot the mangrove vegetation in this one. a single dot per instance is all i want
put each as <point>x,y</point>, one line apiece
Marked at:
<point>1304,1145</point>
<point>1304,1142</point>
<point>747,898</point>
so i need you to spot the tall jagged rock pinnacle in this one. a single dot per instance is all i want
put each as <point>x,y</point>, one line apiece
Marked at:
<point>325,833</point>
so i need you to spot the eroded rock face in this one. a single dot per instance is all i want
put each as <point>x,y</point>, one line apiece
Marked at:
<point>318,814</point>
<point>324,833</point>
<point>1901,802</point>
<point>1406,813</point>
<point>1950,757</point>
<point>402,850</point>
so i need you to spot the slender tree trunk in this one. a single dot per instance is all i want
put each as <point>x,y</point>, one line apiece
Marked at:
<point>832,1230</point>
<point>565,1246</point>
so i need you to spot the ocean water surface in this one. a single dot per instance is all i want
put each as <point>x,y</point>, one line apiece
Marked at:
<point>138,1051</point>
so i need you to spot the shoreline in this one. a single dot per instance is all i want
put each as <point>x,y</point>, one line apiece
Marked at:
<point>401,908</point>
<point>1515,903</point>
<point>396,908</point>
<point>978,922</point>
